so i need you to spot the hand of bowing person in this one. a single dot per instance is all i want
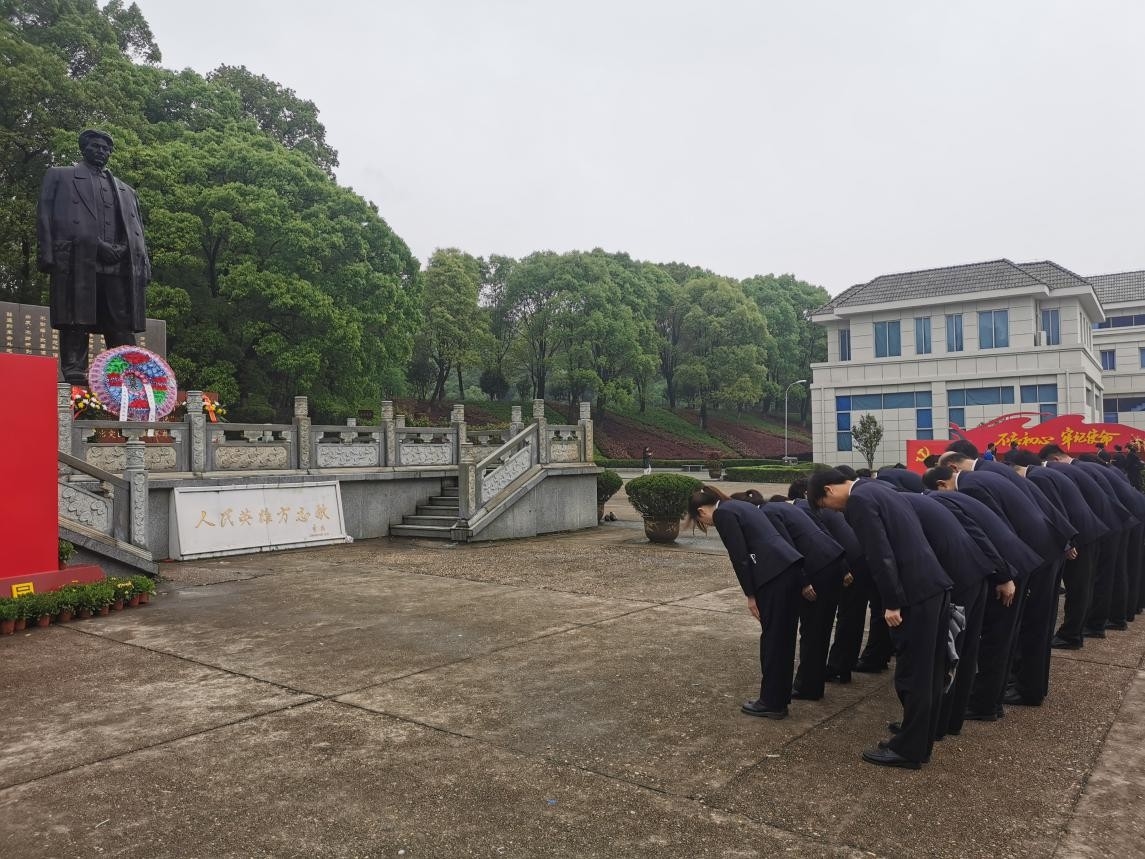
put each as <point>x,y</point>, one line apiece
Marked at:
<point>848,580</point>
<point>752,607</point>
<point>1071,553</point>
<point>809,593</point>
<point>1006,593</point>
<point>893,617</point>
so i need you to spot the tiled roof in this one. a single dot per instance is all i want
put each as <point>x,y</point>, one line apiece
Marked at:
<point>989,276</point>
<point>1054,276</point>
<point>1112,288</point>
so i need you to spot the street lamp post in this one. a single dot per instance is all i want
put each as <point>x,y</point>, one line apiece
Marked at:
<point>785,393</point>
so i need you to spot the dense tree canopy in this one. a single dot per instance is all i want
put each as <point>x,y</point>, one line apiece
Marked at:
<point>276,281</point>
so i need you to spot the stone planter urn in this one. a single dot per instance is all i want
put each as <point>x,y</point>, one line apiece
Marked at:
<point>661,530</point>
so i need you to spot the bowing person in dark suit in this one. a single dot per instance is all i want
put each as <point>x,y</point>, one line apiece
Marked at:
<point>1013,561</point>
<point>824,565</point>
<point>902,478</point>
<point>915,595</point>
<point>1126,594</point>
<point>1031,677</point>
<point>768,569</point>
<point>1002,622</point>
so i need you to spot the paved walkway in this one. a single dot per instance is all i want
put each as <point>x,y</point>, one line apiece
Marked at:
<point>575,696</point>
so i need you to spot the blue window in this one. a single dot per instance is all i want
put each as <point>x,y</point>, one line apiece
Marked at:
<point>981,396</point>
<point>1039,393</point>
<point>922,335</point>
<point>924,434</point>
<point>924,418</point>
<point>954,332</point>
<point>844,440</point>
<point>843,421</point>
<point>842,404</point>
<point>1052,326</point>
<point>922,398</point>
<point>888,339</point>
<point>844,344</point>
<point>1142,359</point>
<point>1110,417</point>
<point>866,402</point>
<point>901,400</point>
<point>993,329</point>
<point>958,416</point>
<point>1048,410</point>
<point>1108,359</point>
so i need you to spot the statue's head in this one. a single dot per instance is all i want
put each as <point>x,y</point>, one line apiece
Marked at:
<point>96,147</point>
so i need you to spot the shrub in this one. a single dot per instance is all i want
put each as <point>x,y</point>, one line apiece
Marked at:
<point>8,609</point>
<point>608,483</point>
<point>771,473</point>
<point>145,584</point>
<point>662,496</point>
<point>66,550</point>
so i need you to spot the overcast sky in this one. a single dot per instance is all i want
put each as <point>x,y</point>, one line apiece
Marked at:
<point>833,140</point>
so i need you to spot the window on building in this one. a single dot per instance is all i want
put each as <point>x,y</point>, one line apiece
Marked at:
<point>1039,393</point>
<point>1048,411</point>
<point>888,339</point>
<point>844,344</point>
<point>954,332</point>
<point>1003,395</point>
<point>1052,326</point>
<point>1108,359</point>
<point>924,423</point>
<point>1142,351</point>
<point>957,416</point>
<point>844,441</point>
<point>922,335</point>
<point>993,329</point>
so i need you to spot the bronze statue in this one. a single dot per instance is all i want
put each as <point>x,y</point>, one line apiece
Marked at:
<point>91,243</point>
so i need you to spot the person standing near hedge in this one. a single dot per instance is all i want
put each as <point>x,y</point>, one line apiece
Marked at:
<point>769,572</point>
<point>647,460</point>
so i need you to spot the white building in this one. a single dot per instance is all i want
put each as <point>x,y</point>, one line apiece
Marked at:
<point>963,344</point>
<point>1119,342</point>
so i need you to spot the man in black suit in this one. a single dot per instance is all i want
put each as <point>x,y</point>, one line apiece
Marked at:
<point>91,243</point>
<point>915,594</point>
<point>824,565</point>
<point>902,478</point>
<point>768,570</point>
<point>879,649</point>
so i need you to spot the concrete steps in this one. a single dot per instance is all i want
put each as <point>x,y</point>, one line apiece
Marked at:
<point>434,519</point>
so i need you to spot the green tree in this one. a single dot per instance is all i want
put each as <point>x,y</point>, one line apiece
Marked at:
<point>868,435</point>
<point>453,325</point>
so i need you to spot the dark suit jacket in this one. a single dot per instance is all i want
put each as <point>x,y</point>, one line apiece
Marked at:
<point>1023,515</point>
<point>1120,493</point>
<point>758,553</point>
<point>902,478</point>
<point>1100,499</point>
<point>68,234</point>
<point>902,564</point>
<point>835,524</point>
<point>962,559</point>
<point>1125,492</point>
<point>1056,517</point>
<point>1018,559</point>
<point>1065,495</point>
<point>822,556</point>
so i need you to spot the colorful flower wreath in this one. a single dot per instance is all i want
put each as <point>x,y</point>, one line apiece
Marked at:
<point>133,383</point>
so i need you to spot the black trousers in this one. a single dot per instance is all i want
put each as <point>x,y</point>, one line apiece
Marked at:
<point>879,647</point>
<point>999,631</point>
<point>850,619</point>
<point>1133,555</point>
<point>1110,567</point>
<point>778,603</point>
<point>1140,567</point>
<point>1078,578</point>
<point>1031,675</point>
<point>920,670</point>
<point>113,321</point>
<point>952,713</point>
<point>815,620</point>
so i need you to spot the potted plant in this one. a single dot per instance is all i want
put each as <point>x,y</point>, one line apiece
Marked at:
<point>103,595</point>
<point>122,590</point>
<point>144,586</point>
<point>715,465</point>
<point>66,551</point>
<point>608,483</point>
<point>23,608</point>
<point>87,407</point>
<point>65,604</point>
<point>84,601</point>
<point>662,499</point>
<point>8,613</point>
<point>41,608</point>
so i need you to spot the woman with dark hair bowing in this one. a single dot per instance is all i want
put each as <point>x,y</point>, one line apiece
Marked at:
<point>768,569</point>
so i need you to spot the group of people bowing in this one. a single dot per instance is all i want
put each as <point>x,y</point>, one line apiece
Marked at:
<point>962,568</point>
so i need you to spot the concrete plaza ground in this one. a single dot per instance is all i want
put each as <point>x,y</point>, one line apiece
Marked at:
<point>570,696</point>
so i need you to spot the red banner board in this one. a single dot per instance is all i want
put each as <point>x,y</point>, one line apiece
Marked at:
<point>1071,432</point>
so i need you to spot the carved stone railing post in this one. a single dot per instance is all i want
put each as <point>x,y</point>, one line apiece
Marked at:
<point>348,437</point>
<point>542,432</point>
<point>460,438</point>
<point>516,424</point>
<point>585,424</point>
<point>389,439</point>
<point>135,473</point>
<point>197,424</point>
<point>468,490</point>
<point>302,433</point>
<point>64,414</point>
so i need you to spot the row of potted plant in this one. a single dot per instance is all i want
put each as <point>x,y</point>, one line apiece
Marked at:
<point>74,601</point>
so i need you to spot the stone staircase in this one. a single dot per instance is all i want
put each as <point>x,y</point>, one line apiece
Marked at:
<point>434,519</point>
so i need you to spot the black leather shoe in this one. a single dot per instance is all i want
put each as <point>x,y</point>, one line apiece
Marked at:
<point>894,727</point>
<point>839,677</point>
<point>756,708</point>
<point>973,716</point>
<point>1065,644</point>
<point>796,695</point>
<point>1017,699</point>
<point>886,758</point>
<point>1093,633</point>
<point>1119,625</point>
<point>869,667</point>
